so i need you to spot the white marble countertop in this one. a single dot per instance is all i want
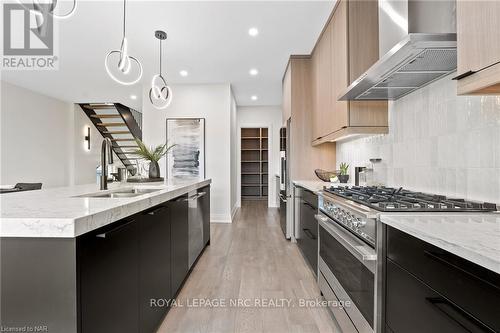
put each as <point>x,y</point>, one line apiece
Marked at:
<point>317,185</point>
<point>56,212</point>
<point>475,237</point>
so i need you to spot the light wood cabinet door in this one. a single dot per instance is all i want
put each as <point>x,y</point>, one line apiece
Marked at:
<point>347,48</point>
<point>325,82</point>
<point>339,71</point>
<point>323,114</point>
<point>478,27</point>
<point>316,116</point>
<point>478,44</point>
<point>287,94</point>
<point>363,53</point>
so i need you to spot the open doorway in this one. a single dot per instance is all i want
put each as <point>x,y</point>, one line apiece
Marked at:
<point>254,163</point>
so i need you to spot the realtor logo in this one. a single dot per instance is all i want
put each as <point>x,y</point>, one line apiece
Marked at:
<point>28,37</point>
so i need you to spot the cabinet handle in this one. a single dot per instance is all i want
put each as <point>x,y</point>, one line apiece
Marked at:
<point>444,261</point>
<point>309,205</point>
<point>154,211</point>
<point>308,233</point>
<point>195,196</point>
<point>463,75</point>
<point>443,305</point>
<point>108,233</point>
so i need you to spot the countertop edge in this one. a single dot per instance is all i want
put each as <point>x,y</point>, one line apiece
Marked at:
<point>316,186</point>
<point>19,227</point>
<point>311,185</point>
<point>460,251</point>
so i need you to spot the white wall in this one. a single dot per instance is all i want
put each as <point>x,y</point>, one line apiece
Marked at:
<point>34,137</point>
<point>212,102</point>
<point>438,142</point>
<point>42,140</point>
<point>262,116</point>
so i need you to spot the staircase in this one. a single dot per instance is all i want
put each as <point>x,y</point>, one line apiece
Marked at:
<point>119,123</point>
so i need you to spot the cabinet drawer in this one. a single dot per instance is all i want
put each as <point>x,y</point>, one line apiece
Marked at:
<point>308,234</point>
<point>310,198</point>
<point>474,288</point>
<point>411,306</point>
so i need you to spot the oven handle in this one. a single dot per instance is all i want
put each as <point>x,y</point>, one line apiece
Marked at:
<point>361,252</point>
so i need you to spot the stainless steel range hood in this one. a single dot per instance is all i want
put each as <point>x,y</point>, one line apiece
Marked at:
<point>417,45</point>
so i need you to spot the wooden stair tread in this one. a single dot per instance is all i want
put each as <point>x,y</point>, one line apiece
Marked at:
<point>106,116</point>
<point>99,106</point>
<point>111,124</point>
<point>116,119</point>
<point>117,132</point>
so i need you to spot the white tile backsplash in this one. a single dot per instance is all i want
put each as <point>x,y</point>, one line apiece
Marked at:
<point>438,142</point>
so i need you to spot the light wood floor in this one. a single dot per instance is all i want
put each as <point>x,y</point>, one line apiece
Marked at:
<point>249,259</point>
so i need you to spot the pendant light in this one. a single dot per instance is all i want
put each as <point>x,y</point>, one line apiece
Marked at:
<point>124,62</point>
<point>160,93</point>
<point>49,7</point>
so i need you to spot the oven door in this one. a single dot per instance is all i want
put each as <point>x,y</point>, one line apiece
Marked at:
<point>348,265</point>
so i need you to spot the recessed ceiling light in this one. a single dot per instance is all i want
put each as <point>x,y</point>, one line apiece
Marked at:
<point>253,71</point>
<point>254,98</point>
<point>183,73</point>
<point>253,32</point>
<point>133,96</point>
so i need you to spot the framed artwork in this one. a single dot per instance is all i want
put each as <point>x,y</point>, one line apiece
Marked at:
<point>187,158</point>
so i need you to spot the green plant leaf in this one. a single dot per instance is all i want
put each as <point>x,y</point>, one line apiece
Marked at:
<point>151,154</point>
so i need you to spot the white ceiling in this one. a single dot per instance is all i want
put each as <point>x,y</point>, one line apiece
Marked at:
<point>209,39</point>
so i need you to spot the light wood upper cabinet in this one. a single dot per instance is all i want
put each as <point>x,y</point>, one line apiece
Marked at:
<point>322,69</point>
<point>339,72</point>
<point>347,47</point>
<point>287,95</point>
<point>363,53</point>
<point>304,158</point>
<point>315,116</point>
<point>478,44</point>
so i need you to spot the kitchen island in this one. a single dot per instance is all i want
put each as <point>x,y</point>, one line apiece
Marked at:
<point>76,259</point>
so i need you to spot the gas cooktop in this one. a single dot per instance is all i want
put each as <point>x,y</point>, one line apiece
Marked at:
<point>387,199</point>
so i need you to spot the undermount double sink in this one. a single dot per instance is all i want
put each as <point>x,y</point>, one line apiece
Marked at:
<point>121,193</point>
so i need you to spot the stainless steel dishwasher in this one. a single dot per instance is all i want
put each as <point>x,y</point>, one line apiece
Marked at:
<point>195,224</point>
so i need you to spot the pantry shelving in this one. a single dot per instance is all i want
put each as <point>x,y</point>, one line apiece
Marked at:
<point>254,163</point>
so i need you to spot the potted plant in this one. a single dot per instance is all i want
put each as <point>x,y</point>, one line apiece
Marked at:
<point>152,155</point>
<point>344,173</point>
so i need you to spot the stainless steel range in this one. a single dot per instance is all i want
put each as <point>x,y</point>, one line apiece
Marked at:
<point>347,264</point>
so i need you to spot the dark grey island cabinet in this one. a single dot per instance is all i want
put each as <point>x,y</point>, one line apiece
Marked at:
<point>155,268</point>
<point>108,278</point>
<point>131,269</point>
<point>117,278</point>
